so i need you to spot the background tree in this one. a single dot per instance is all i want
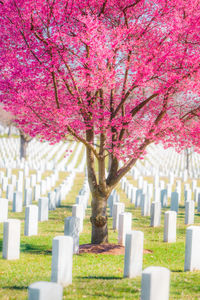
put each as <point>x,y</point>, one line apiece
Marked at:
<point>8,120</point>
<point>122,73</point>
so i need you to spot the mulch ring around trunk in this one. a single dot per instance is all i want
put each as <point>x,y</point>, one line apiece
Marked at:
<point>114,249</point>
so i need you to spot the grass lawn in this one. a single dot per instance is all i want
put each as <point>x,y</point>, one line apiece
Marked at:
<point>96,276</point>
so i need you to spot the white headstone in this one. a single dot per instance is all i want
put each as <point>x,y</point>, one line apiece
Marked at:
<point>125,225</point>
<point>138,199</point>
<point>31,220</point>
<point>192,249</point>
<point>155,214</point>
<point>146,205</point>
<point>52,200</point>
<point>27,196</point>
<point>36,192</point>
<point>155,283</point>
<point>62,255</point>
<point>43,209</point>
<point>43,290</point>
<point>17,202</point>
<point>198,205</point>
<point>170,227</point>
<point>189,212</point>
<point>72,228</point>
<point>133,254</point>
<point>118,208</point>
<point>11,239</point>
<point>3,209</point>
<point>174,202</point>
<point>163,195</point>
<point>77,211</point>
<point>9,192</point>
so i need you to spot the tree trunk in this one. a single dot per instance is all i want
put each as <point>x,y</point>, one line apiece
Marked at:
<point>99,220</point>
<point>23,146</point>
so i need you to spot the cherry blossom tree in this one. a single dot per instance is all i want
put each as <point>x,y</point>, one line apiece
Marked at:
<point>116,75</point>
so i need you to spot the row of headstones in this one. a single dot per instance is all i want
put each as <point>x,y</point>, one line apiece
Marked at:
<point>164,161</point>
<point>73,225</point>
<point>137,195</point>
<point>122,221</point>
<point>169,159</point>
<point>41,155</point>
<point>10,152</point>
<point>34,191</point>
<point>6,129</point>
<point>37,152</point>
<point>155,281</point>
<point>159,185</point>
<point>24,181</point>
<point>34,213</point>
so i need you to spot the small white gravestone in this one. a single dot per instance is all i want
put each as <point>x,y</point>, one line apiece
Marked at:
<point>27,183</point>
<point>3,209</point>
<point>125,225</point>
<point>17,202</point>
<point>118,208</point>
<point>189,212</point>
<point>62,256</point>
<point>33,180</point>
<point>138,199</point>
<point>57,197</point>
<point>72,228</point>
<point>163,195</point>
<point>43,187</point>
<point>198,205</point>
<point>188,195</point>
<point>174,202</point>
<point>31,220</point>
<point>155,283</point>
<point>77,211</point>
<point>155,214</point>
<point>13,180</point>
<point>192,249</point>
<point>36,190</point>
<point>43,209</point>
<point>27,196</point>
<point>52,200</point>
<point>9,192</point>
<point>19,185</point>
<point>133,194</point>
<point>4,183</point>
<point>157,194</point>
<point>11,239</point>
<point>43,290</point>
<point>133,254</point>
<point>170,227</point>
<point>146,205</point>
<point>111,201</point>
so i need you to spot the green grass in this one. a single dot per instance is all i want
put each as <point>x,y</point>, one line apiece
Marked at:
<point>96,276</point>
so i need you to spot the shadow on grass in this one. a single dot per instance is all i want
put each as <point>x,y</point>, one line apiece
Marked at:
<point>100,277</point>
<point>66,206</point>
<point>14,287</point>
<point>1,245</point>
<point>35,249</point>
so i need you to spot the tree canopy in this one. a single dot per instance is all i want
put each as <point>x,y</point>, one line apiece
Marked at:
<point>123,71</point>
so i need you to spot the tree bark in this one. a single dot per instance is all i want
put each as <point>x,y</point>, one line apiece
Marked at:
<point>99,220</point>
